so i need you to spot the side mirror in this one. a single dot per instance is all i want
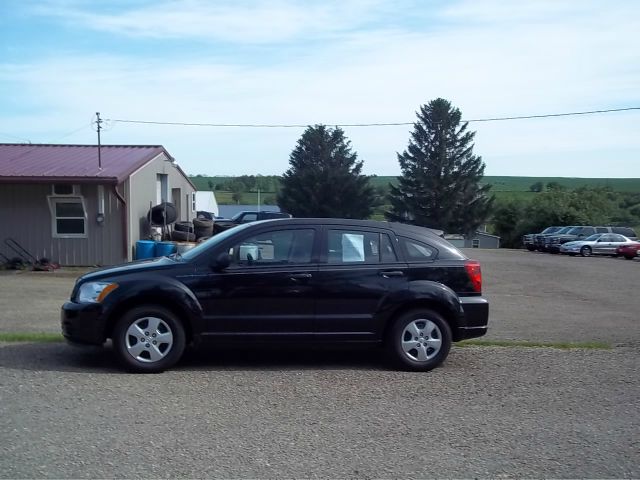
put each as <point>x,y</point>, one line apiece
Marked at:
<point>221,262</point>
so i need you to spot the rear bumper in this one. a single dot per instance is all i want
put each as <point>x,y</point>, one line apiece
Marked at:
<point>476,318</point>
<point>83,323</point>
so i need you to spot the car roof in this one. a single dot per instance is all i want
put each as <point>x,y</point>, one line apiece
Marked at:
<point>398,228</point>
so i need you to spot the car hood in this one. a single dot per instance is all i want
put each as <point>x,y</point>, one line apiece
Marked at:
<point>127,268</point>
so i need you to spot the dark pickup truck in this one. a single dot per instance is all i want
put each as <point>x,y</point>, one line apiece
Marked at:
<point>249,216</point>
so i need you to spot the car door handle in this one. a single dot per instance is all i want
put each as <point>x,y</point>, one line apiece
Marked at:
<point>300,276</point>
<point>392,273</point>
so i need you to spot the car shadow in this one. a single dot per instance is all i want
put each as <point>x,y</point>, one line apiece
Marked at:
<point>61,357</point>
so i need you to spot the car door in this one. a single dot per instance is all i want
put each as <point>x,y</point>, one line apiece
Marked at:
<point>359,269</point>
<point>603,245</point>
<point>266,290</point>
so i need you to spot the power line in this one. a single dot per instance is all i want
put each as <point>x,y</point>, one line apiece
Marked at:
<point>384,124</point>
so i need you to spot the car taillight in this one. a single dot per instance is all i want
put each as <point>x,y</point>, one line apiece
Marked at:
<point>475,274</point>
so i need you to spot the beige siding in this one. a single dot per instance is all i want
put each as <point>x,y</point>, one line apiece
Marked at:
<point>25,215</point>
<point>141,193</point>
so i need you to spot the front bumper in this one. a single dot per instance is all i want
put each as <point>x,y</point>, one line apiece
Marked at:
<point>83,323</point>
<point>476,318</point>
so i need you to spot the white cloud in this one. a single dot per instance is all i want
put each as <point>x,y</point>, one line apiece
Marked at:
<point>490,62</point>
<point>240,22</point>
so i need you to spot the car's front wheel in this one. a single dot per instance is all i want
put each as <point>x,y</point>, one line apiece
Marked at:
<point>419,340</point>
<point>585,251</point>
<point>148,339</point>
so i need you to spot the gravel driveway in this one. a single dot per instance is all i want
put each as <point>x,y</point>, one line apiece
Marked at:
<point>488,412</point>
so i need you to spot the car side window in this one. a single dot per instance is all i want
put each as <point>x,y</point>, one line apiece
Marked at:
<point>602,230</point>
<point>249,217</point>
<point>416,251</point>
<point>587,231</point>
<point>606,238</point>
<point>617,238</point>
<point>280,247</point>
<point>353,246</point>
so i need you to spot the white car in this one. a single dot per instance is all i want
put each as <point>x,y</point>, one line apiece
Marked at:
<point>599,243</point>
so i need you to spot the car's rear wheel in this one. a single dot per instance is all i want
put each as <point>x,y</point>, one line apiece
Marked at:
<point>585,251</point>
<point>628,257</point>
<point>148,339</point>
<point>419,340</point>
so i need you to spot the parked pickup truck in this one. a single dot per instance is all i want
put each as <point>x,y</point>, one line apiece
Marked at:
<point>528,240</point>
<point>247,217</point>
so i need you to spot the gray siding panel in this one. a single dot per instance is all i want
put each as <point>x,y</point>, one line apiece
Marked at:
<point>141,192</point>
<point>25,216</point>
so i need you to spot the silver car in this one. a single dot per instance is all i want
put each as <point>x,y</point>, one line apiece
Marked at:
<point>597,244</point>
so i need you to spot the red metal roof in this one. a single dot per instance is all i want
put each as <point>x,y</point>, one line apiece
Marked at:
<point>78,163</point>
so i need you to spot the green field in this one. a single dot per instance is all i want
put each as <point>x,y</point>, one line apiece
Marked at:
<point>522,184</point>
<point>502,187</point>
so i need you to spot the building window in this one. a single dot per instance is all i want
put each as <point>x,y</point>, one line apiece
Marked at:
<point>193,201</point>
<point>475,243</point>
<point>65,189</point>
<point>69,217</point>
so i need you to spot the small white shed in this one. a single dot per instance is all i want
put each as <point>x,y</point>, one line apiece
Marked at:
<point>206,202</point>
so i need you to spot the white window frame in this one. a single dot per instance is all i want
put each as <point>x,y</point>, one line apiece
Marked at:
<point>53,200</point>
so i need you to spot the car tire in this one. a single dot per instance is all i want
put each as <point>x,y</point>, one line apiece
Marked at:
<point>628,257</point>
<point>531,249</point>
<point>419,340</point>
<point>135,332</point>
<point>585,251</point>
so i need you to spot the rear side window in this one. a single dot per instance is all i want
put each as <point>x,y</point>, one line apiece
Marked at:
<point>354,246</point>
<point>588,231</point>
<point>415,251</point>
<point>626,231</point>
<point>602,229</point>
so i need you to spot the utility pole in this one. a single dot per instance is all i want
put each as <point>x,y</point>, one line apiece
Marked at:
<point>99,127</point>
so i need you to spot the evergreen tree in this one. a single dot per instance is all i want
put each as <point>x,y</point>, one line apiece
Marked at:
<point>324,178</point>
<point>440,183</point>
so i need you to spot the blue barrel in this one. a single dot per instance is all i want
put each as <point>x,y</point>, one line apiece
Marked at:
<point>165,248</point>
<point>145,249</point>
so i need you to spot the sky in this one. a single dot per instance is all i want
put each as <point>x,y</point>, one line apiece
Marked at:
<point>330,62</point>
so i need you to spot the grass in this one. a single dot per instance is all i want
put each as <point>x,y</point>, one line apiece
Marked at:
<point>35,337</point>
<point>526,343</point>
<point>39,337</point>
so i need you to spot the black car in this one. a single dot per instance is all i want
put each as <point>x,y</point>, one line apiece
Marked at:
<point>293,280</point>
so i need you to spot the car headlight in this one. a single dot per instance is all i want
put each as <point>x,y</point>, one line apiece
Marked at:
<point>95,292</point>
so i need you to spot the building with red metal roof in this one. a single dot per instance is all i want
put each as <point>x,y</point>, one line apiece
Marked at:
<point>84,204</point>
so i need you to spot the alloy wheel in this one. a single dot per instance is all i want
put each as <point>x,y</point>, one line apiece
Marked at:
<point>149,339</point>
<point>421,340</point>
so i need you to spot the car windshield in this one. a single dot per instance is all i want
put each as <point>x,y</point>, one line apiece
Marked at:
<point>215,240</point>
<point>593,238</point>
<point>575,231</point>
<point>237,216</point>
<point>564,229</point>
<point>550,230</point>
